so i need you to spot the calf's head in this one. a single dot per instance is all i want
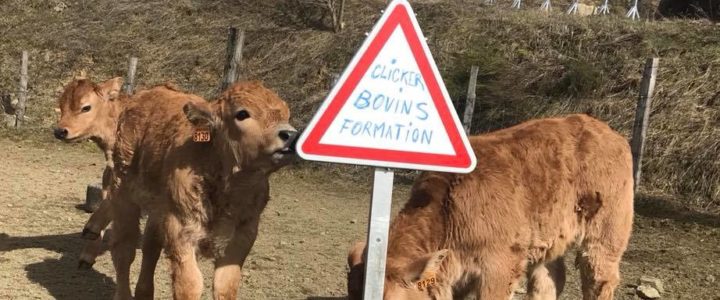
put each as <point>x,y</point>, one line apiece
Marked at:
<point>405,279</point>
<point>86,110</point>
<point>248,125</point>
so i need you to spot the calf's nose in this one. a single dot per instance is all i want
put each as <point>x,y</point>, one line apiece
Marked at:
<point>60,133</point>
<point>289,137</point>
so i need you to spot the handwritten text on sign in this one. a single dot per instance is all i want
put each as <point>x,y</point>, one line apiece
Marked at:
<point>391,107</point>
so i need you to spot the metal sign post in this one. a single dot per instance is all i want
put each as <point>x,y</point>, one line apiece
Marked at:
<point>378,227</point>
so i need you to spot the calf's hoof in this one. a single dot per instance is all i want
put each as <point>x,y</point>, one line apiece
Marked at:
<point>89,234</point>
<point>84,265</point>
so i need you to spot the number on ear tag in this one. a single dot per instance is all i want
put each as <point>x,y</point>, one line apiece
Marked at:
<point>201,134</point>
<point>425,283</point>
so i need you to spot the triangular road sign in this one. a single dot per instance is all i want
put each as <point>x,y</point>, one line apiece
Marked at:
<point>390,107</point>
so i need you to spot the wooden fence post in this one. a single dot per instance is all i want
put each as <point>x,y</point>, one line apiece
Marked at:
<point>130,80</point>
<point>470,103</point>
<point>334,79</point>
<point>338,22</point>
<point>642,116</point>
<point>233,57</point>
<point>6,105</point>
<point>7,111</point>
<point>22,93</point>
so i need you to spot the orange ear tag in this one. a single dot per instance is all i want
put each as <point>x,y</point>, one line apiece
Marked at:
<point>425,283</point>
<point>201,134</point>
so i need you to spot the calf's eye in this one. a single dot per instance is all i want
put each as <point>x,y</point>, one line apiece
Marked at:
<point>242,115</point>
<point>85,108</point>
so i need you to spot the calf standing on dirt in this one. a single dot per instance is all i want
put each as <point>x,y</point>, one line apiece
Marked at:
<point>90,111</point>
<point>201,170</point>
<point>539,188</point>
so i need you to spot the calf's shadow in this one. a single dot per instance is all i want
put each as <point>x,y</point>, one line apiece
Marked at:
<point>61,277</point>
<point>664,208</point>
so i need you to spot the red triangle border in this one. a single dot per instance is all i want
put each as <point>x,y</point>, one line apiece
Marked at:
<point>312,146</point>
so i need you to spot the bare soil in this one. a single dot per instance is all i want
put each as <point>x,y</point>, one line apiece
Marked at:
<point>304,236</point>
<point>532,64</point>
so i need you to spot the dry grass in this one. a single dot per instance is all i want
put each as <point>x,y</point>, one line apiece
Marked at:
<point>531,65</point>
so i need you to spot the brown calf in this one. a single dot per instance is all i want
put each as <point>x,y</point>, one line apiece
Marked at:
<point>91,111</point>
<point>539,188</point>
<point>198,193</point>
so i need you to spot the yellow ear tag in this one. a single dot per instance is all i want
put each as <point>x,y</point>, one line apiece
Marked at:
<point>201,134</point>
<point>427,282</point>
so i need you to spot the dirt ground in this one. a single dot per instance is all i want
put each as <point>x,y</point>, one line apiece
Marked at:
<point>304,236</point>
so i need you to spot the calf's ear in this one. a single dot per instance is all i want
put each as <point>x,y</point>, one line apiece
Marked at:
<point>200,114</point>
<point>356,255</point>
<point>110,89</point>
<point>424,270</point>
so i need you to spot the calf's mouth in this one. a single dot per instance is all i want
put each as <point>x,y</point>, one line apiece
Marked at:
<point>290,138</point>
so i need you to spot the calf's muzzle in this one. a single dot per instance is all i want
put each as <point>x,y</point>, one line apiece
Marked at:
<point>290,138</point>
<point>60,133</point>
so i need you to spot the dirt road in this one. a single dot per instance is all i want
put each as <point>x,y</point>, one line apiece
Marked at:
<point>304,236</point>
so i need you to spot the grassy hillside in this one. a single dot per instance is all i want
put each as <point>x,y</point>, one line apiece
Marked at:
<point>531,64</point>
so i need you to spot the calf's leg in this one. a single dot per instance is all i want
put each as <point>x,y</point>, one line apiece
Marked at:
<point>126,231</point>
<point>228,264</point>
<point>151,249</point>
<point>91,250</point>
<point>187,281</point>
<point>546,280</point>
<point>95,227</point>
<point>500,275</point>
<point>102,216</point>
<point>607,236</point>
<point>98,221</point>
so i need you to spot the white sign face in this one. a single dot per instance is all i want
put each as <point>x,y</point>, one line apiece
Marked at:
<point>390,107</point>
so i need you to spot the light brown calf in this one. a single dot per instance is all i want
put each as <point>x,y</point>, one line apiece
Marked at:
<point>200,195</point>
<point>91,111</point>
<point>539,188</point>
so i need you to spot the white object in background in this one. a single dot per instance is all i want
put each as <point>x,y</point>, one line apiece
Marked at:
<point>633,13</point>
